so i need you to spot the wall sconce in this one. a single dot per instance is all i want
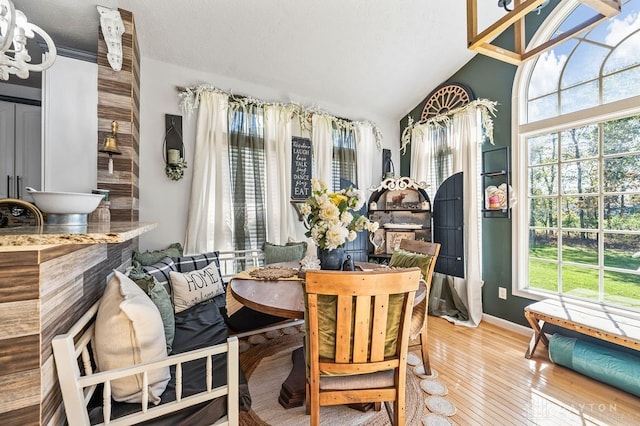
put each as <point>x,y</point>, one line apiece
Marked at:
<point>14,30</point>
<point>112,30</point>
<point>173,148</point>
<point>110,146</point>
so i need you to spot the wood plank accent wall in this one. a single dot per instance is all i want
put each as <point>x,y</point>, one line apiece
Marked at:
<point>119,100</point>
<point>42,293</point>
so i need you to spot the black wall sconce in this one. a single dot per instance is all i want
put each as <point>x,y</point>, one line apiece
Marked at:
<point>173,147</point>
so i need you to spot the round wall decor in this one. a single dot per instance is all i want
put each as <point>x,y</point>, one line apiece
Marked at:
<point>446,97</point>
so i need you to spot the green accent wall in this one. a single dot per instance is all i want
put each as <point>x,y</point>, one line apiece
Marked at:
<point>492,79</point>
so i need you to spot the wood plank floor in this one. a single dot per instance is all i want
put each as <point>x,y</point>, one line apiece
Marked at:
<point>492,383</point>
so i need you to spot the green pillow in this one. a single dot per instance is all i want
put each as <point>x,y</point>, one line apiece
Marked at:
<point>159,296</point>
<point>406,259</point>
<point>291,252</point>
<point>150,257</point>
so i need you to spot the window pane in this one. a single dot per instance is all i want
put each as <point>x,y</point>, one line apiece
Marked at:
<point>543,180</point>
<point>542,108</point>
<point>543,149</point>
<point>584,64</point>
<point>580,177</point>
<point>622,136</point>
<point>580,247</point>
<point>622,289</point>
<point>580,143</point>
<point>622,174</point>
<point>543,244</point>
<point>543,275</point>
<point>621,85</point>
<point>624,56</point>
<point>580,282</point>
<point>544,212</point>
<point>619,250</point>
<point>546,72</point>
<point>580,212</point>
<point>580,97</point>
<point>622,212</point>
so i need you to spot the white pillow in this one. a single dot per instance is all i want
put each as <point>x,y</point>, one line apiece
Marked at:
<point>190,288</point>
<point>129,330</point>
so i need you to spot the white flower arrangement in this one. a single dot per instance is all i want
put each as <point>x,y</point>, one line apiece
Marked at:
<point>330,217</point>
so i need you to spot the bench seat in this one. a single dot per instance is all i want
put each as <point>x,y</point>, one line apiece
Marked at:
<point>600,323</point>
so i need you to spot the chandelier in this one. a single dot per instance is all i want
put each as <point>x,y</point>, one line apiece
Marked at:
<point>14,32</point>
<point>481,42</point>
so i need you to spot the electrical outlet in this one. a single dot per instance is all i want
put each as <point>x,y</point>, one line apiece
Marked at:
<point>502,293</point>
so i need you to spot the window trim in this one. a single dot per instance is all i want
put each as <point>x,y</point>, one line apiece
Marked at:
<point>520,130</point>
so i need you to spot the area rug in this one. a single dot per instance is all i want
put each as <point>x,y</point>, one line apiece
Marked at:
<point>266,361</point>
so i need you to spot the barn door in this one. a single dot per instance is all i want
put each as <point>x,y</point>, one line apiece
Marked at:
<point>448,226</point>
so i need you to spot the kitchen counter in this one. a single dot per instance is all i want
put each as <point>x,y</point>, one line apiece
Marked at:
<point>12,239</point>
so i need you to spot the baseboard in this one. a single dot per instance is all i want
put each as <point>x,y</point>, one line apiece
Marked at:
<point>511,326</point>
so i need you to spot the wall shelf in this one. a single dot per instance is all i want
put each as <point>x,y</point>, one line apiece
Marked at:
<point>497,196</point>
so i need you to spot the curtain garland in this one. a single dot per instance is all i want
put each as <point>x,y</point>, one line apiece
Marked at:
<point>190,98</point>
<point>487,109</point>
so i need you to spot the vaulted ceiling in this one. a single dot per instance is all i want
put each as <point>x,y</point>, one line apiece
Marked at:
<point>380,56</point>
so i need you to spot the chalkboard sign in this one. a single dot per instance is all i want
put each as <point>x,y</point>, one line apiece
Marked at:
<point>300,168</point>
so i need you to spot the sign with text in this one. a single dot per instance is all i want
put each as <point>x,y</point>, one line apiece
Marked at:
<point>300,168</point>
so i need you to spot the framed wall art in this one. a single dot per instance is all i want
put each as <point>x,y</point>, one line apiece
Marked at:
<point>394,238</point>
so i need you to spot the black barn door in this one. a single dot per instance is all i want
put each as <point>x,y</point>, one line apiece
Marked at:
<point>448,226</point>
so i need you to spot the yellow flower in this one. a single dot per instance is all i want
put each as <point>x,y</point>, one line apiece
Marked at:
<point>337,198</point>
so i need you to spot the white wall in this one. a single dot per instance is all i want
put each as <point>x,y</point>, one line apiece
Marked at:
<point>165,201</point>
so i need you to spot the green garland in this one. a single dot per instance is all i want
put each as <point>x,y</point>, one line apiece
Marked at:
<point>190,99</point>
<point>487,110</point>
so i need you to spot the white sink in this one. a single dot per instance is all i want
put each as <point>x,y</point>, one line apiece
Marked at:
<point>65,202</point>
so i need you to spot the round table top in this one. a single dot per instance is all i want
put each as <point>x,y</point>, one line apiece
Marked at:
<point>282,298</point>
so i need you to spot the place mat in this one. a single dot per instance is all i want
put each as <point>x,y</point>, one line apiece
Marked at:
<point>266,273</point>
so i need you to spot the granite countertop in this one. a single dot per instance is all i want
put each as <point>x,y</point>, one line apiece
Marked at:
<point>93,233</point>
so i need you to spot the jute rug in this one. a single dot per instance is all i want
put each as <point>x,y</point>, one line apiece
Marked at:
<point>266,360</point>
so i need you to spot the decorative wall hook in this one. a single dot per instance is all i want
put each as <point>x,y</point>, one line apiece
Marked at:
<point>112,30</point>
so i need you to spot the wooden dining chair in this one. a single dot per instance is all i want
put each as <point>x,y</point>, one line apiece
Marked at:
<point>420,310</point>
<point>358,335</point>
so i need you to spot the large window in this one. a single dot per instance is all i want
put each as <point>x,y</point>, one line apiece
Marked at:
<point>578,163</point>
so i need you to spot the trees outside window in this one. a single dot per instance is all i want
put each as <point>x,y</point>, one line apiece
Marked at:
<point>577,159</point>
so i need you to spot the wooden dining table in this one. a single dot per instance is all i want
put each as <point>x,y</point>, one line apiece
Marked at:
<point>285,298</point>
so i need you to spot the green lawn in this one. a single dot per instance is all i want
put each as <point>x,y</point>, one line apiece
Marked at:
<point>620,288</point>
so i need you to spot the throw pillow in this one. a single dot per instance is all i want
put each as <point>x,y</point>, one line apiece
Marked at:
<point>160,271</point>
<point>406,259</point>
<point>191,288</point>
<point>290,252</point>
<point>192,263</point>
<point>128,330</point>
<point>159,296</point>
<point>150,257</point>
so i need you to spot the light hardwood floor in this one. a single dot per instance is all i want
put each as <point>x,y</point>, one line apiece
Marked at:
<point>492,383</point>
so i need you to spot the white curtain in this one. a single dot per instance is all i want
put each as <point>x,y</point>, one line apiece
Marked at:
<point>210,223</point>
<point>437,152</point>
<point>365,157</point>
<point>277,141</point>
<point>322,144</point>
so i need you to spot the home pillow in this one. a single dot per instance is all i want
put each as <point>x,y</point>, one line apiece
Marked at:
<point>159,296</point>
<point>150,257</point>
<point>406,259</point>
<point>192,263</point>
<point>190,288</point>
<point>160,271</point>
<point>128,331</point>
<point>290,252</point>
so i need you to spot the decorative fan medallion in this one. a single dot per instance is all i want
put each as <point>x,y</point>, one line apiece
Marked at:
<point>446,97</point>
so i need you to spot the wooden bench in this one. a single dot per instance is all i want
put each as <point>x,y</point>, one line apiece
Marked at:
<point>599,323</point>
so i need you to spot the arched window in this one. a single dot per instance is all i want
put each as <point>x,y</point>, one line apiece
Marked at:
<point>577,162</point>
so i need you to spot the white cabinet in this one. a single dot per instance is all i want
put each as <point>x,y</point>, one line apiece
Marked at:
<point>20,148</point>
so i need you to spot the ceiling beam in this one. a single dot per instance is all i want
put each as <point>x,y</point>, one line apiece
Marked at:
<point>482,42</point>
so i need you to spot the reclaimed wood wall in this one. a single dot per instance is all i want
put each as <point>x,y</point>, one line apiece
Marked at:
<point>119,100</point>
<point>42,293</point>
